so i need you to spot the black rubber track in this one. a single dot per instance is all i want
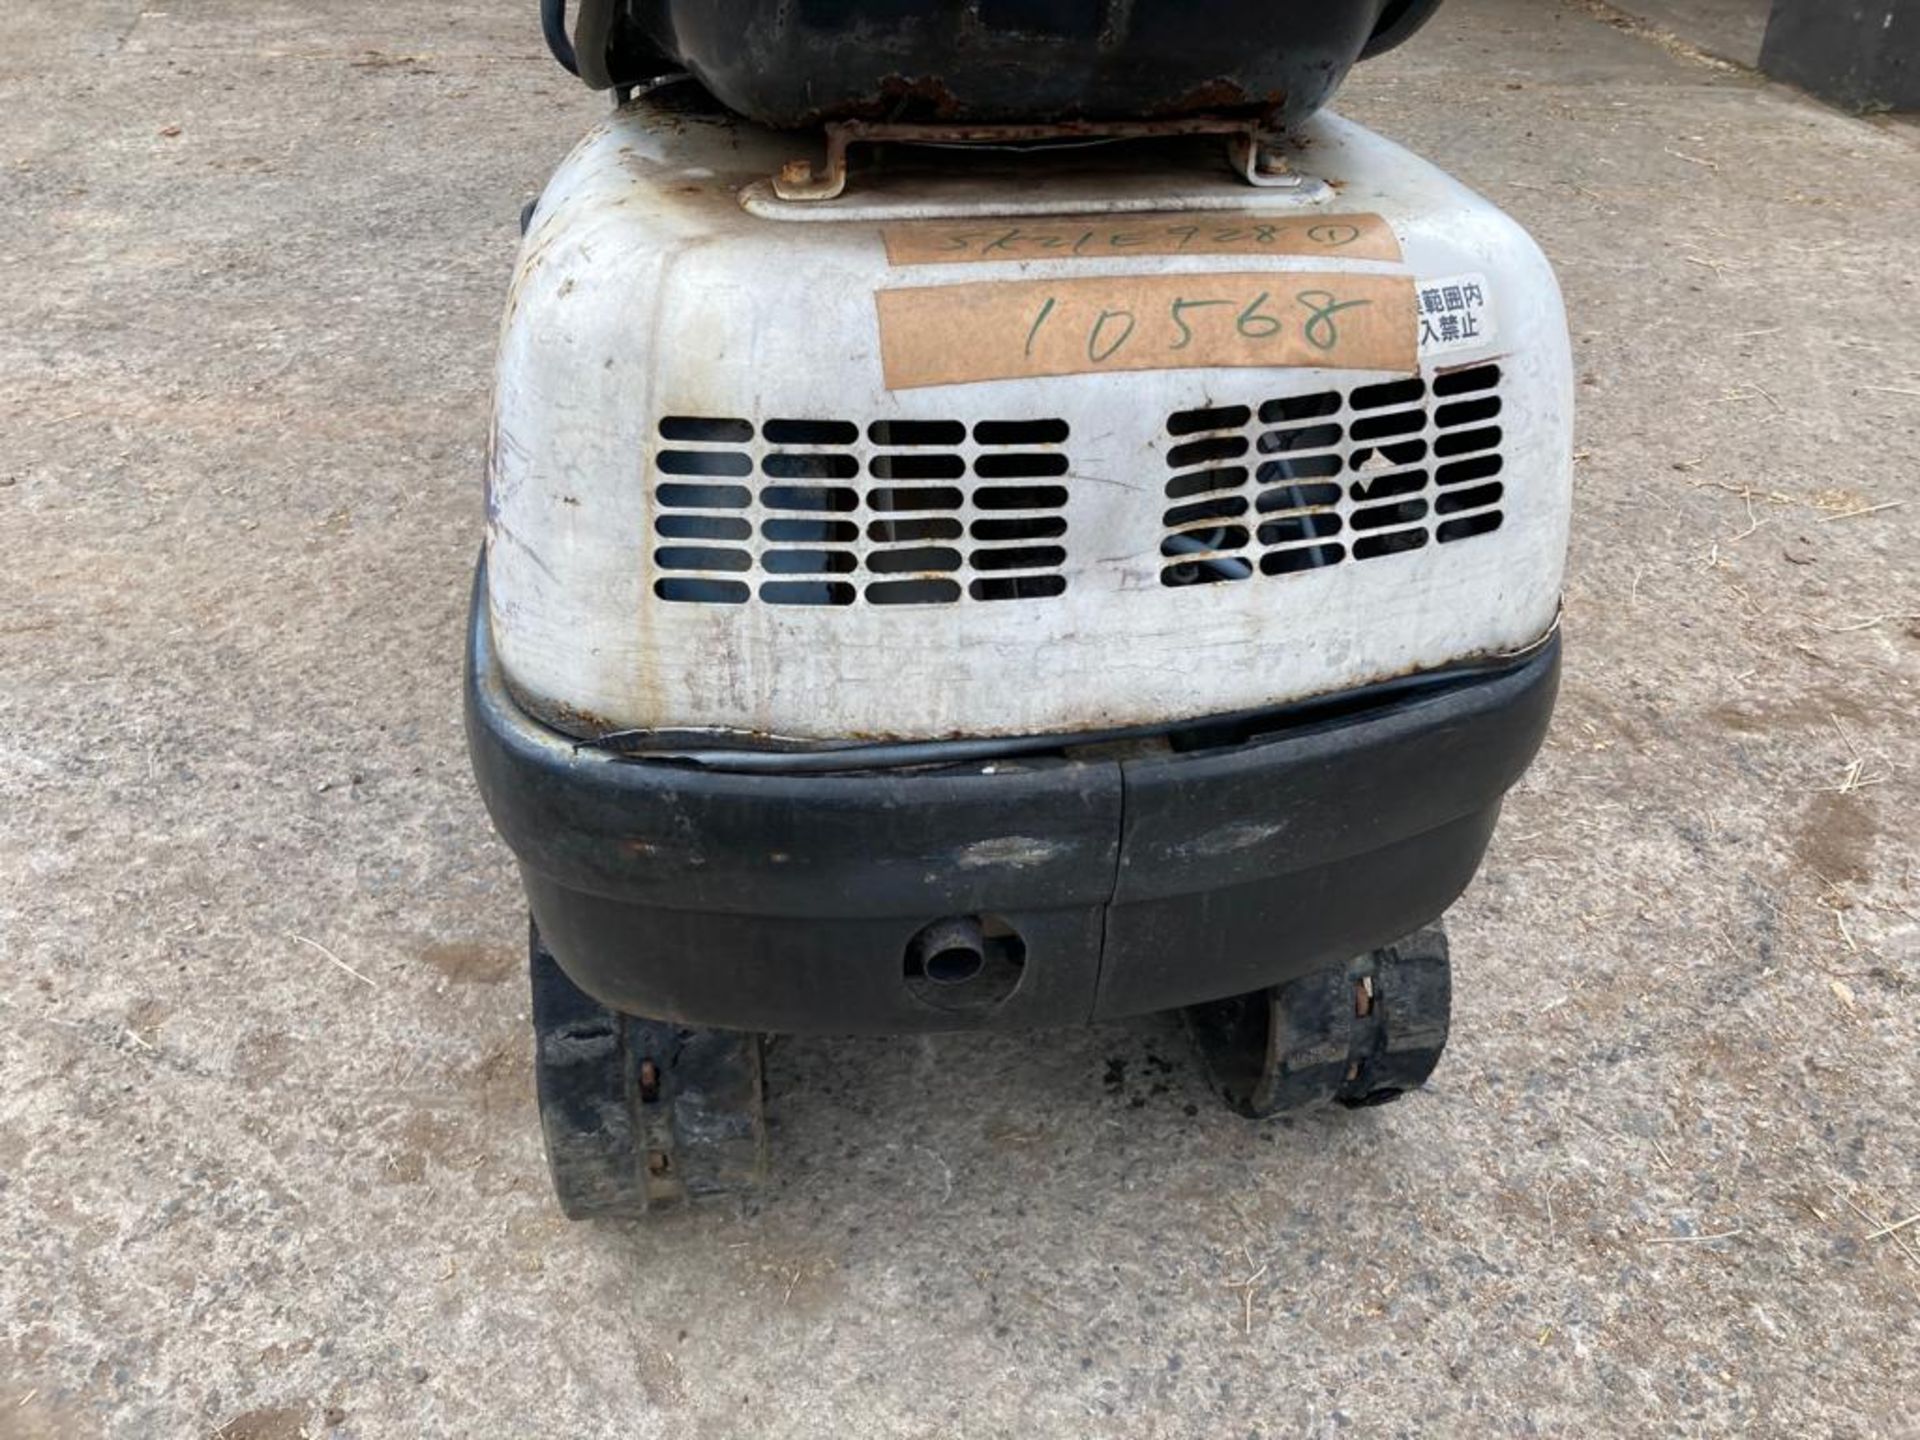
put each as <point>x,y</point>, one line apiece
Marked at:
<point>640,1115</point>
<point>1358,1034</point>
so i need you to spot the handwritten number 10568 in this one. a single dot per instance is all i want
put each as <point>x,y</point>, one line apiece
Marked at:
<point>1116,329</point>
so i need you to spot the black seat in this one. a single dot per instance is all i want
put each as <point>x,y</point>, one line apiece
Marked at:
<point>801,62</point>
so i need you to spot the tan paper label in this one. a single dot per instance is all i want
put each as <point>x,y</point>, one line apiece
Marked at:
<point>955,334</point>
<point>1106,237</point>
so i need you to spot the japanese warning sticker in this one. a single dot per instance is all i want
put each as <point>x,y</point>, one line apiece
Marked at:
<point>1455,314</point>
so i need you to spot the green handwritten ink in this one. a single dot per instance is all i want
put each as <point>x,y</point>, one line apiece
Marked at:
<point>1323,307</point>
<point>1039,320</point>
<point>1095,352</point>
<point>1256,326</point>
<point>1178,311</point>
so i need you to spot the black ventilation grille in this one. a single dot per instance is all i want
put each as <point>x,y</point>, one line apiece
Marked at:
<point>1311,481</point>
<point>819,512</point>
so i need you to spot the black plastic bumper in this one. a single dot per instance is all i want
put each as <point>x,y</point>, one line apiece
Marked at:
<point>1135,882</point>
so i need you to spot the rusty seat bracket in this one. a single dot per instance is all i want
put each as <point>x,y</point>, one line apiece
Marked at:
<point>1253,152</point>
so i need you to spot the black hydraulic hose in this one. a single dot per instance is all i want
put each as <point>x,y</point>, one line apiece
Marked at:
<point>553,24</point>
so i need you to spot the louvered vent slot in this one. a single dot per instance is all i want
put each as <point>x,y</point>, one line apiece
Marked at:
<point>1306,482</point>
<point>1467,453</point>
<point>1388,468</point>
<point>818,512</point>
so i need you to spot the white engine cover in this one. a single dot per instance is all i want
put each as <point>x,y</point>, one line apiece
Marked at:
<point>708,512</point>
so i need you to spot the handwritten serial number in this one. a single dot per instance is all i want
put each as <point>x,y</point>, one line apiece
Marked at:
<point>1020,239</point>
<point>1117,330</point>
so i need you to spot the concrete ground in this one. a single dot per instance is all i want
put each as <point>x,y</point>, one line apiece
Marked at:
<point>269,1164</point>
<point>1728,29</point>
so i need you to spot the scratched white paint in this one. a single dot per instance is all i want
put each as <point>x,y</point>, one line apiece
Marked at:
<point>644,289</point>
<point>1229,838</point>
<point>1018,851</point>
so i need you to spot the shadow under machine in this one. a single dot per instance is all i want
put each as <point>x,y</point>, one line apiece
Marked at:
<point>1001,513</point>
